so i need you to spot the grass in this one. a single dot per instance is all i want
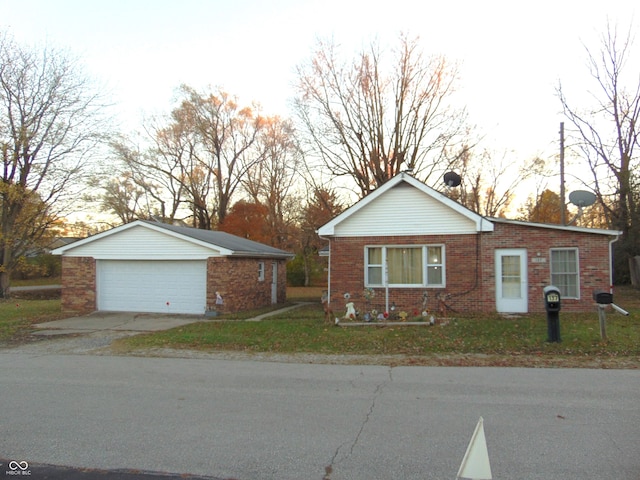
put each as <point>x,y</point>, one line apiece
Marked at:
<point>468,340</point>
<point>489,339</point>
<point>303,330</point>
<point>36,281</point>
<point>18,315</point>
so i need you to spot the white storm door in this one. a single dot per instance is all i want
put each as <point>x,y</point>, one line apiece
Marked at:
<point>511,281</point>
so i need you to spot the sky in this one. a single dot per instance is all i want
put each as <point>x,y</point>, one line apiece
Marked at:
<point>511,54</point>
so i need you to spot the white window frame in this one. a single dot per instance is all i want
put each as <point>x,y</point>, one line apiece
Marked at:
<point>261,271</point>
<point>425,266</point>
<point>576,273</point>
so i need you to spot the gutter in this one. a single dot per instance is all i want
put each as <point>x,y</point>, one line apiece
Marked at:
<point>328,270</point>
<point>611,242</point>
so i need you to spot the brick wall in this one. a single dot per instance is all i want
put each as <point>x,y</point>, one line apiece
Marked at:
<point>78,285</point>
<point>235,278</point>
<point>237,281</point>
<point>593,258</point>
<point>347,273</point>
<point>470,279</point>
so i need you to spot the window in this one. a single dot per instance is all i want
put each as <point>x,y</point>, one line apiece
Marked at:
<point>564,271</point>
<point>261,271</point>
<point>406,266</point>
<point>374,266</point>
<point>435,266</point>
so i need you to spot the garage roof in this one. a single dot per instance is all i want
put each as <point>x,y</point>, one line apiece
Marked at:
<point>238,246</point>
<point>226,243</point>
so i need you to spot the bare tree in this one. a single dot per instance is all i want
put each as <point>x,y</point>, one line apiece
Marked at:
<point>49,121</point>
<point>123,197</point>
<point>490,180</point>
<point>272,181</point>
<point>606,135</point>
<point>368,120</point>
<point>176,156</point>
<point>227,134</point>
<point>156,173</point>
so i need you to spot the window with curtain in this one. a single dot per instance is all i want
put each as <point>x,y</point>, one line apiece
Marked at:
<point>405,265</point>
<point>564,271</point>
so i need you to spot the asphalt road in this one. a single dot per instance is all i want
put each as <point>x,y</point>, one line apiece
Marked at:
<point>251,420</point>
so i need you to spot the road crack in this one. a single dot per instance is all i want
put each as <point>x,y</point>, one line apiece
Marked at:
<point>334,460</point>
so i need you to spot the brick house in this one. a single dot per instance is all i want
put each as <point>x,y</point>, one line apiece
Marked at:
<point>146,266</point>
<point>409,244</point>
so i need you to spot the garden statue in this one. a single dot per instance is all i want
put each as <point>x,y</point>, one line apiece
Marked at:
<point>351,311</point>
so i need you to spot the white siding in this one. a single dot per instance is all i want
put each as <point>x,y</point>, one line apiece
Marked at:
<point>404,210</point>
<point>139,243</point>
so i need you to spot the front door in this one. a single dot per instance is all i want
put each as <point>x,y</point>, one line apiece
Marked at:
<point>511,281</point>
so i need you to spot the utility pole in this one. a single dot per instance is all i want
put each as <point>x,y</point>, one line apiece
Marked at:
<point>563,219</point>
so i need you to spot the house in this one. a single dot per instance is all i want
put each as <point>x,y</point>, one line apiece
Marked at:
<point>147,266</point>
<point>414,248</point>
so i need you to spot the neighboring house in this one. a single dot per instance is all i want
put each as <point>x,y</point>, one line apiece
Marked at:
<point>51,245</point>
<point>146,266</point>
<point>407,242</point>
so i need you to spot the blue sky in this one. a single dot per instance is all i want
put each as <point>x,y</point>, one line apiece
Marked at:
<point>512,54</point>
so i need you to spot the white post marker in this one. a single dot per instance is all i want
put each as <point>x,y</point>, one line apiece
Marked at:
<point>475,464</point>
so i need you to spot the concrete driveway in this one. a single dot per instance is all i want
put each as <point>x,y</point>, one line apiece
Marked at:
<point>132,322</point>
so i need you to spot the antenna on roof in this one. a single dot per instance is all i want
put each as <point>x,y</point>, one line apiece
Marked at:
<point>581,199</point>
<point>452,179</point>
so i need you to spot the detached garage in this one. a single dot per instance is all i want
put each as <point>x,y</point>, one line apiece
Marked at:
<point>148,266</point>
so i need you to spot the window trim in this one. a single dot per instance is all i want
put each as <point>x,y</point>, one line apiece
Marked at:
<point>261,269</point>
<point>425,266</point>
<point>577,272</point>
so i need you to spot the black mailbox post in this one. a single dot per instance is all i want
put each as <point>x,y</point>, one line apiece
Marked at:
<point>552,305</point>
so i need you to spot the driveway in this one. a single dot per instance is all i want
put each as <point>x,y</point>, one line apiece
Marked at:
<point>131,322</point>
<point>94,333</point>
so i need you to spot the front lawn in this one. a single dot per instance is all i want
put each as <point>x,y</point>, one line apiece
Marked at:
<point>17,315</point>
<point>491,340</point>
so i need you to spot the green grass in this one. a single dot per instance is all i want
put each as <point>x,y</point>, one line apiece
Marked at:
<point>36,281</point>
<point>303,330</point>
<point>17,316</point>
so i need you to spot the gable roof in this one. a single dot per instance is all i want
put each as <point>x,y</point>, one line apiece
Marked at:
<point>223,242</point>
<point>478,222</point>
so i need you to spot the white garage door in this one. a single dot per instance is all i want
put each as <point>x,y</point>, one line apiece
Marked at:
<point>152,286</point>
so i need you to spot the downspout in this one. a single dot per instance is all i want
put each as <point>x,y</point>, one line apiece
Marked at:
<point>386,284</point>
<point>611,242</point>
<point>328,271</point>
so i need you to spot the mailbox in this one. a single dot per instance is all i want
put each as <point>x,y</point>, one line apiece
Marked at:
<point>551,299</point>
<point>602,297</point>
<point>552,306</point>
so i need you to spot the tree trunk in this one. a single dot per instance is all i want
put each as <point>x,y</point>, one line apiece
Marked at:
<point>5,284</point>
<point>634,270</point>
<point>307,276</point>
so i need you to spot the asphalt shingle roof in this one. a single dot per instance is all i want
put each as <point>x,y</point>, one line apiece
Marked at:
<point>240,246</point>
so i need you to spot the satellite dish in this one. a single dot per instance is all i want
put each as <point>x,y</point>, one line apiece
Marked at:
<point>452,179</point>
<point>582,198</point>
